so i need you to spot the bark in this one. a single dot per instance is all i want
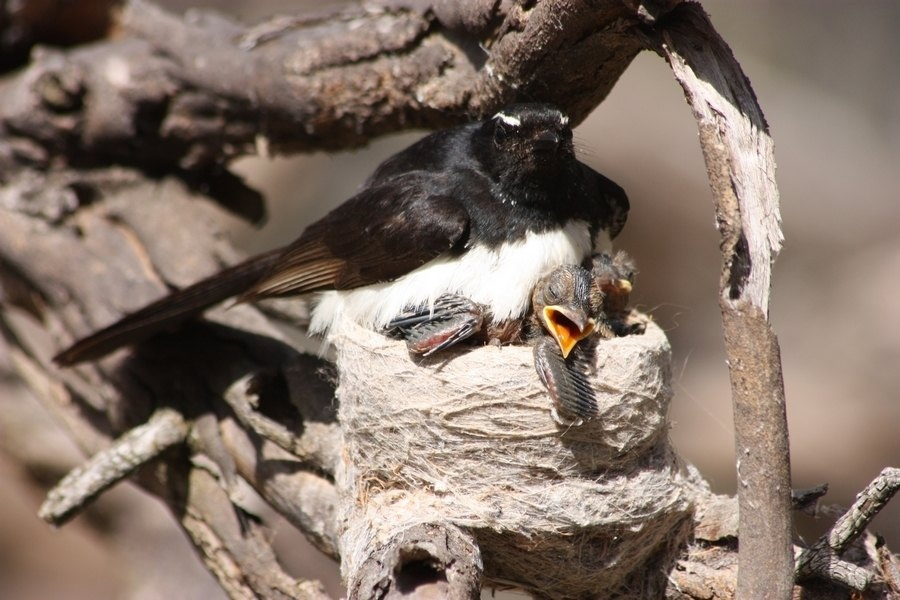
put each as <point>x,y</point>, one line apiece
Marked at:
<point>115,184</point>
<point>740,163</point>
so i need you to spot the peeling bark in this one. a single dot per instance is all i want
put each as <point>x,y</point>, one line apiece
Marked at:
<point>114,185</point>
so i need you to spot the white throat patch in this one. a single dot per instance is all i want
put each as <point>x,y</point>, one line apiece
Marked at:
<point>502,279</point>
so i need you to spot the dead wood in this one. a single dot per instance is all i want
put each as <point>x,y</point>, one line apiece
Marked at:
<point>113,167</point>
<point>740,163</point>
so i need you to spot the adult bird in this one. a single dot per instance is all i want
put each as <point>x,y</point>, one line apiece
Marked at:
<point>483,210</point>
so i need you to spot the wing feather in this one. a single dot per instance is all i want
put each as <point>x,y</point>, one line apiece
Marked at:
<point>383,232</point>
<point>169,311</point>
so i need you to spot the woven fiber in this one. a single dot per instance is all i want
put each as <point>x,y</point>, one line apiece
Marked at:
<point>467,438</point>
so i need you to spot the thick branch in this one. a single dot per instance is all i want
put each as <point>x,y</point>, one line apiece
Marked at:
<point>203,90</point>
<point>739,159</point>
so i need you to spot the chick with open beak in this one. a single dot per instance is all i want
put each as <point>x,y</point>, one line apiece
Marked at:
<point>572,309</point>
<point>562,301</point>
<point>561,318</point>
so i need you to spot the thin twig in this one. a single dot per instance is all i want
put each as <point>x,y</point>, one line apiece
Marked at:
<point>142,444</point>
<point>823,558</point>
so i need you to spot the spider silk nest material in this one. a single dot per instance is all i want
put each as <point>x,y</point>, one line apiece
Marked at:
<point>466,437</point>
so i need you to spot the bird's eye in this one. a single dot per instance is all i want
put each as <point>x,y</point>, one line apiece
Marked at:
<point>500,134</point>
<point>553,292</point>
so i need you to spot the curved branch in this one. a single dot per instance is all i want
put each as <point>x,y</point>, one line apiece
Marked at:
<point>739,158</point>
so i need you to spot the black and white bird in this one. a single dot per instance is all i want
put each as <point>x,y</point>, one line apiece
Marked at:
<point>483,211</point>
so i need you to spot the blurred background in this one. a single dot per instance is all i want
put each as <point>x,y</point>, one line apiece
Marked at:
<point>825,74</point>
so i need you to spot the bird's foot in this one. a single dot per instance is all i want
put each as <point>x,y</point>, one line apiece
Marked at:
<point>452,319</point>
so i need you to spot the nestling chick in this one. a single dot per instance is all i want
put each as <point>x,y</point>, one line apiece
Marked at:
<point>595,307</point>
<point>612,279</point>
<point>561,318</point>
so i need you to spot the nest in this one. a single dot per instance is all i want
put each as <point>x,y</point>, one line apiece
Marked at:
<point>467,438</point>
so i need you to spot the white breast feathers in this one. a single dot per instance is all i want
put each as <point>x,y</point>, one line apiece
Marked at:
<point>501,278</point>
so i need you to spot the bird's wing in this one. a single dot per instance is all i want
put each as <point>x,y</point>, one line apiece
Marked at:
<point>611,207</point>
<point>567,381</point>
<point>385,231</point>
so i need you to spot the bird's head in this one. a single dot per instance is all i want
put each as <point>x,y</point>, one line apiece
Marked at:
<point>562,303</point>
<point>525,143</point>
<point>612,280</point>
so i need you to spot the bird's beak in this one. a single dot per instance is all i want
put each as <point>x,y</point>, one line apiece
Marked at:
<point>546,140</point>
<point>567,326</point>
<point>619,287</point>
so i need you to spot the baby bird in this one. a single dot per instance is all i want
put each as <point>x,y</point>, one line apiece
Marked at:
<point>599,297</point>
<point>612,279</point>
<point>562,305</point>
<point>571,308</point>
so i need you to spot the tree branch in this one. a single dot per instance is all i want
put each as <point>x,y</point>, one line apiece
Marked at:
<point>86,134</point>
<point>823,559</point>
<point>235,549</point>
<point>140,445</point>
<point>739,159</point>
<point>199,93</point>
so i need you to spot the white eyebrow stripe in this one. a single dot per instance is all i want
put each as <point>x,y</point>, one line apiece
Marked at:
<point>508,119</point>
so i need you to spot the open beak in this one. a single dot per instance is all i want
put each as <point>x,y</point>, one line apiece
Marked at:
<point>567,326</point>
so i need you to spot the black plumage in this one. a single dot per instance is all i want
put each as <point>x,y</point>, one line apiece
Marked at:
<point>484,190</point>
